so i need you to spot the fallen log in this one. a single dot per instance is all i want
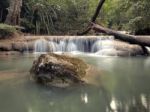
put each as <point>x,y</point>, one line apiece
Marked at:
<point>14,10</point>
<point>143,41</point>
<point>139,40</point>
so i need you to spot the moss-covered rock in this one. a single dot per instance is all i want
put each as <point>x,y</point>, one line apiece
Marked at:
<point>58,69</point>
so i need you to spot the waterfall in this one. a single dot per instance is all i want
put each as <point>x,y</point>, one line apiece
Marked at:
<point>53,46</point>
<point>62,46</point>
<point>41,45</point>
<point>88,44</point>
<point>103,44</point>
<point>71,46</point>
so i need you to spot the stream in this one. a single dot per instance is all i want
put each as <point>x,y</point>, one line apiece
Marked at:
<point>123,87</point>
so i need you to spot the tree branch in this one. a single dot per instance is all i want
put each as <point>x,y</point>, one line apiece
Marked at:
<point>93,19</point>
<point>99,7</point>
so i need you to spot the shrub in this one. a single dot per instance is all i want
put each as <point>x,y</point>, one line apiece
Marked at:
<point>7,30</point>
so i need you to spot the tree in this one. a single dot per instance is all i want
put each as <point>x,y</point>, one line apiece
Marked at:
<point>124,37</point>
<point>130,15</point>
<point>56,18</point>
<point>14,10</point>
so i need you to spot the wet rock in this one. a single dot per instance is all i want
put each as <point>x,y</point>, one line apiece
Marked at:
<point>5,46</point>
<point>30,45</point>
<point>121,49</point>
<point>125,49</point>
<point>53,69</point>
<point>20,46</point>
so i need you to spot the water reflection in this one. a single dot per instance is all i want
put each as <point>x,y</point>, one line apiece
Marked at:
<point>135,104</point>
<point>84,98</point>
<point>124,88</point>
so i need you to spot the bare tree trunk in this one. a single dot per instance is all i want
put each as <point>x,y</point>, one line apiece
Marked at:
<point>14,10</point>
<point>99,7</point>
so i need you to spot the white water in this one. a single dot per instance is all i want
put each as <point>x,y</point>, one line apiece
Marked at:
<point>75,44</point>
<point>41,45</point>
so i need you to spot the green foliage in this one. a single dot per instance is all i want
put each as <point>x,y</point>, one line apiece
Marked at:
<point>67,17</point>
<point>131,15</point>
<point>56,17</point>
<point>75,16</point>
<point>6,30</point>
<point>39,16</point>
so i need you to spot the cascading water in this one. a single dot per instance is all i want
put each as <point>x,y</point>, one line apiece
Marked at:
<point>41,45</point>
<point>71,46</point>
<point>62,46</point>
<point>53,46</point>
<point>103,46</point>
<point>96,44</point>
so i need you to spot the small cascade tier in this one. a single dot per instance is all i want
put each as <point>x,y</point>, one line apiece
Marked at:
<point>89,44</point>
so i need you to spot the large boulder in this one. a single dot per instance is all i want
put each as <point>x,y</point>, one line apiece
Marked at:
<point>53,69</point>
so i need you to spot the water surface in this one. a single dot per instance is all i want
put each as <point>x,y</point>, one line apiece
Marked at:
<point>123,87</point>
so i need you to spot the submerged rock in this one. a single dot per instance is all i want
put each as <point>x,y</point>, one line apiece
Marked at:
<point>56,69</point>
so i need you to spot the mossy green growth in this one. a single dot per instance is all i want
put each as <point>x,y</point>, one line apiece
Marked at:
<point>7,30</point>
